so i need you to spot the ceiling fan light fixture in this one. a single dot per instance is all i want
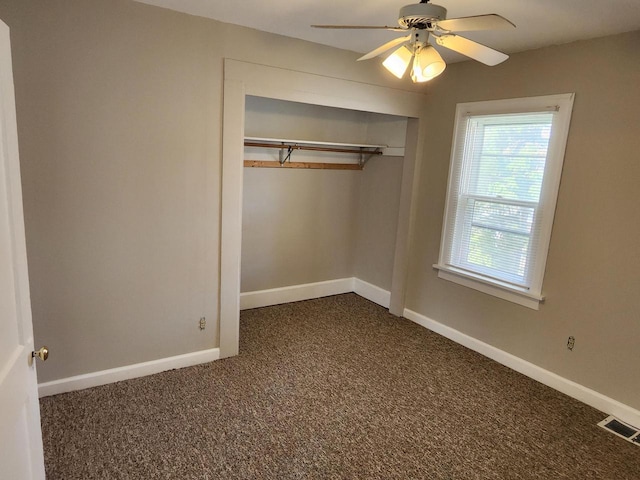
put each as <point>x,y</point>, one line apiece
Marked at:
<point>427,65</point>
<point>398,62</point>
<point>426,21</point>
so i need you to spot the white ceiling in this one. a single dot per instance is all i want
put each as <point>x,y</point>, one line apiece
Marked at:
<point>539,22</point>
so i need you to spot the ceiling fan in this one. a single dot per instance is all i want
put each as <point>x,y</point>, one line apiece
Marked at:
<point>428,22</point>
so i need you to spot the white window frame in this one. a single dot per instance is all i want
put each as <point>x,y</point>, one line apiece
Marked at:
<point>530,296</point>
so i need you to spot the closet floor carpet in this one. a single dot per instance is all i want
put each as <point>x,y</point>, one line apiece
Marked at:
<point>333,388</point>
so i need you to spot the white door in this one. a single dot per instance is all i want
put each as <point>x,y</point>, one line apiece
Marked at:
<point>21,454</point>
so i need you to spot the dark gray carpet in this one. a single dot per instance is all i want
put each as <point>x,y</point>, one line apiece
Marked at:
<point>334,388</point>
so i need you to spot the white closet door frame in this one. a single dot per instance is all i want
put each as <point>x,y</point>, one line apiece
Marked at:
<point>242,79</point>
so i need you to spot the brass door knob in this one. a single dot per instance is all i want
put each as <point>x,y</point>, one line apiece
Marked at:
<point>42,354</point>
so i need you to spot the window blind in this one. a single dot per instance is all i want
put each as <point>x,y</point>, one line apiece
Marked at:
<point>496,184</point>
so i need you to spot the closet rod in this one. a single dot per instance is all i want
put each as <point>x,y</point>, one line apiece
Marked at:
<point>315,149</point>
<point>303,165</point>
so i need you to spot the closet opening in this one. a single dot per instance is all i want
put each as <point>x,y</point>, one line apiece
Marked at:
<point>336,221</point>
<point>321,198</point>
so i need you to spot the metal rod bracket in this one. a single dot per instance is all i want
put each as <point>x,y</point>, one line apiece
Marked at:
<point>366,156</point>
<point>283,157</point>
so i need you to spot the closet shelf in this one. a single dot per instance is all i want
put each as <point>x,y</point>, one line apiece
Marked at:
<point>287,146</point>
<point>337,145</point>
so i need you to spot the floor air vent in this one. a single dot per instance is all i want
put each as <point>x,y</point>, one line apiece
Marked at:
<point>621,429</point>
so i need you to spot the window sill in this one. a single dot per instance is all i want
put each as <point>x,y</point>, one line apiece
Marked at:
<point>503,291</point>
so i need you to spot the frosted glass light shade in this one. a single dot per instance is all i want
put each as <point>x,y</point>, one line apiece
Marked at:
<point>427,65</point>
<point>398,61</point>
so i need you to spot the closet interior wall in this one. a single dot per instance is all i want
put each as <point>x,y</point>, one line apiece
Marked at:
<point>303,226</point>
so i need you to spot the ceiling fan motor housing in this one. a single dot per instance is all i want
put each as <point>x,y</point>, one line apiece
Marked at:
<point>421,15</point>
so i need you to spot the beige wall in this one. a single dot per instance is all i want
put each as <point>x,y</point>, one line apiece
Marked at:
<point>379,205</point>
<point>298,226</point>
<point>592,278</point>
<point>267,117</point>
<point>119,123</point>
<point>378,208</point>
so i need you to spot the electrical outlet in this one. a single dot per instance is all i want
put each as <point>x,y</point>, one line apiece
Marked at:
<point>571,343</point>
<point>203,323</point>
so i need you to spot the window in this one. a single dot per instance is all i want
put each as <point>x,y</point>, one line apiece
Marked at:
<point>503,183</point>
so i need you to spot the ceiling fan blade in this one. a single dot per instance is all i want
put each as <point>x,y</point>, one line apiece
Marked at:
<point>471,49</point>
<point>383,48</point>
<point>479,22</point>
<point>362,27</point>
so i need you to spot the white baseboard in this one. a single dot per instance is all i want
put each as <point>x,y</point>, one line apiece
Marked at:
<point>371,292</point>
<point>295,293</point>
<point>579,392</point>
<point>127,372</point>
